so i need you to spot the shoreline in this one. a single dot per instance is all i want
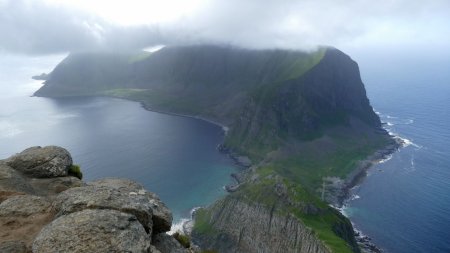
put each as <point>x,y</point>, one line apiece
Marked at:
<point>353,179</point>
<point>356,178</point>
<point>146,107</point>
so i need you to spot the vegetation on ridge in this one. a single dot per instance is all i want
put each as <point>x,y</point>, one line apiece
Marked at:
<point>301,117</point>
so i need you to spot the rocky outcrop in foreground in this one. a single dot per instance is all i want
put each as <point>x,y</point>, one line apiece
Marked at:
<point>44,209</point>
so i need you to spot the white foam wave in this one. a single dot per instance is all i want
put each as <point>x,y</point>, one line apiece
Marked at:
<point>387,158</point>
<point>404,141</point>
<point>355,196</point>
<point>407,142</point>
<point>389,124</point>
<point>178,226</point>
<point>355,187</point>
<point>183,224</point>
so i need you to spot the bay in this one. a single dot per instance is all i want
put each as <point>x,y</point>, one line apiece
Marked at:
<point>175,157</point>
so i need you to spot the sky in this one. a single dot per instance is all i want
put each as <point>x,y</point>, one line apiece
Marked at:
<point>359,27</point>
<point>48,26</point>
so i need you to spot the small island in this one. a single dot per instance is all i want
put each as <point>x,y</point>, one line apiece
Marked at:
<point>42,76</point>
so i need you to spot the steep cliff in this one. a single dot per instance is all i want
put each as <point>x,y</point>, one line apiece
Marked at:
<point>269,232</point>
<point>270,213</point>
<point>303,119</point>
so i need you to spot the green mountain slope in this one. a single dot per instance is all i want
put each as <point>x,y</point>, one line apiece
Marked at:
<point>302,118</point>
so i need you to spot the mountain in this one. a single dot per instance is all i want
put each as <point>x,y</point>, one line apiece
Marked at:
<point>302,118</point>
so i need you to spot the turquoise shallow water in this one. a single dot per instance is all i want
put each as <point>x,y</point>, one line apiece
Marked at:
<point>175,157</point>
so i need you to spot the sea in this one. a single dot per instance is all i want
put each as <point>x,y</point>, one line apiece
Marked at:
<point>175,157</point>
<point>403,204</point>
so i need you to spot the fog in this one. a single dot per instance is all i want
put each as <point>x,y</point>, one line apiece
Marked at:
<point>46,26</point>
<point>375,33</point>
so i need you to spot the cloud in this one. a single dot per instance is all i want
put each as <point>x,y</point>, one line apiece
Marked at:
<point>41,26</point>
<point>300,24</point>
<point>36,27</point>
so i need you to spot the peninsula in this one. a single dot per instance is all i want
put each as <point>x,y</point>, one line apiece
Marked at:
<point>300,121</point>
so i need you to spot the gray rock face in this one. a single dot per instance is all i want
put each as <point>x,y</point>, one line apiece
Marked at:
<point>52,186</point>
<point>93,231</point>
<point>246,228</point>
<point>42,209</point>
<point>167,244</point>
<point>24,205</point>
<point>93,197</point>
<point>12,182</point>
<point>43,162</point>
<point>162,217</point>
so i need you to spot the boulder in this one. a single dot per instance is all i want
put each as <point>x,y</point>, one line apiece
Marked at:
<point>53,186</point>
<point>93,231</point>
<point>43,209</point>
<point>162,217</point>
<point>13,182</point>
<point>93,197</point>
<point>46,162</point>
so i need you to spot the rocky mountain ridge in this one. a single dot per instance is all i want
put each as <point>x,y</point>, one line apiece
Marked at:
<point>45,209</point>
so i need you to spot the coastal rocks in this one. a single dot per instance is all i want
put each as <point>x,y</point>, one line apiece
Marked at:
<point>134,200</point>
<point>240,160</point>
<point>93,231</point>
<point>43,211</point>
<point>243,160</point>
<point>162,217</point>
<point>41,162</point>
<point>335,190</point>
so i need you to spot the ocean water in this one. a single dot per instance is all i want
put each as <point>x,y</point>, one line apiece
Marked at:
<point>404,203</point>
<point>175,157</point>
